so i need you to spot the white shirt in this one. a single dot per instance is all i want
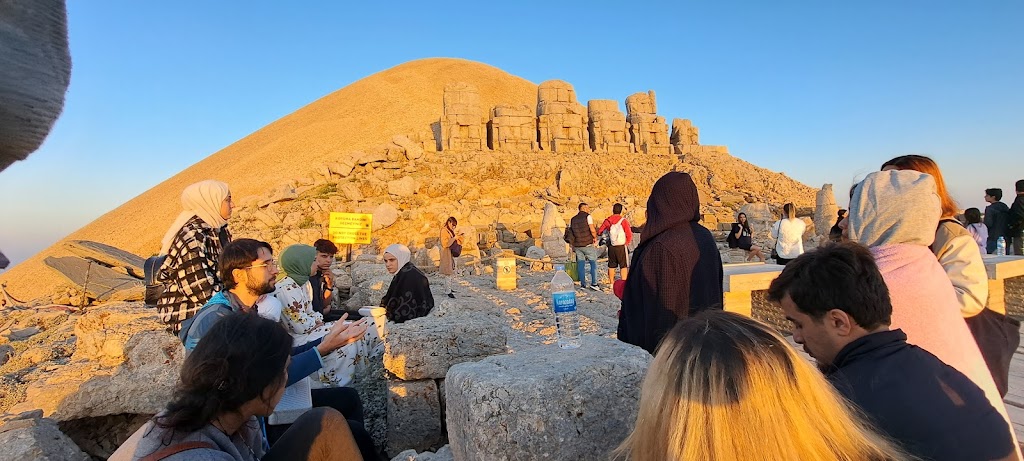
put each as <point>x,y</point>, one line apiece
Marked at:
<point>790,235</point>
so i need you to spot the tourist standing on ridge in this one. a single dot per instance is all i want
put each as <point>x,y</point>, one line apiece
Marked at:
<point>1015,222</point>
<point>620,235</point>
<point>788,233</point>
<point>583,237</point>
<point>676,270</point>
<point>408,295</point>
<point>741,236</point>
<point>976,228</point>
<point>894,214</point>
<point>839,305</point>
<point>234,376</point>
<point>995,219</point>
<point>727,387</point>
<point>451,248</point>
<point>956,250</point>
<point>322,282</point>
<point>248,270</point>
<point>193,244</point>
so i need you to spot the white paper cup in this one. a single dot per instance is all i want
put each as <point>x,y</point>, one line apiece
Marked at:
<point>379,316</point>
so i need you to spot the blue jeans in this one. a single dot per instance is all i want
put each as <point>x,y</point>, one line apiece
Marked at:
<point>588,254</point>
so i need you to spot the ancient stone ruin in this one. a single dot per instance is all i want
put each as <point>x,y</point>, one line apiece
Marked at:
<point>609,131</point>
<point>462,122</point>
<point>560,124</point>
<point>647,130</point>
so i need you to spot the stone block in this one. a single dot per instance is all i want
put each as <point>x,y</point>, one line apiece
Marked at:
<point>142,384</point>
<point>513,128</point>
<point>384,216</point>
<point>37,439</point>
<point>413,415</point>
<point>412,149</point>
<point>425,348</point>
<point>405,187</point>
<point>545,403</point>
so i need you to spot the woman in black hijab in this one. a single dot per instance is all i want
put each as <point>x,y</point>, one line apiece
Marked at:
<point>676,271</point>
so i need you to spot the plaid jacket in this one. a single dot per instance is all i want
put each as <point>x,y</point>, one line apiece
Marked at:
<point>189,273</point>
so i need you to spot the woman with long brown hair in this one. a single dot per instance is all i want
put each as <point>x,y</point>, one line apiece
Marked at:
<point>996,334</point>
<point>725,387</point>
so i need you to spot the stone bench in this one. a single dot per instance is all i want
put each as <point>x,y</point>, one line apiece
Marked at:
<point>741,280</point>
<point>999,269</point>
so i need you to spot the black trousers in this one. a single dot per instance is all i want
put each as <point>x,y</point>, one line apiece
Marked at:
<point>345,400</point>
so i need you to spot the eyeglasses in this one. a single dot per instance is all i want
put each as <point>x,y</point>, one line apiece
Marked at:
<point>271,263</point>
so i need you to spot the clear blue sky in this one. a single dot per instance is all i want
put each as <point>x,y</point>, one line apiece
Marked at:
<point>823,91</point>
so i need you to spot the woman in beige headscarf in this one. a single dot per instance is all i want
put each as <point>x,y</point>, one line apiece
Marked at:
<point>193,244</point>
<point>450,236</point>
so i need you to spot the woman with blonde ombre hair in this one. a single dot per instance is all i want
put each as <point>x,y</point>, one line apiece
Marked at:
<point>723,387</point>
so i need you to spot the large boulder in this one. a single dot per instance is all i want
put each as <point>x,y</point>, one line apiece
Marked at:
<point>124,363</point>
<point>30,437</point>
<point>545,403</point>
<point>384,216</point>
<point>405,187</point>
<point>414,415</point>
<point>425,348</point>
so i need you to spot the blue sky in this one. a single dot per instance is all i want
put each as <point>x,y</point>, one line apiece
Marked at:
<point>823,91</point>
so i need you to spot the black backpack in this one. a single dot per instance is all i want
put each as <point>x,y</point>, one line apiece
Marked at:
<point>154,288</point>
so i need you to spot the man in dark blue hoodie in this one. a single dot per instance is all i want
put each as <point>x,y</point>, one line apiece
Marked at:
<point>840,308</point>
<point>995,219</point>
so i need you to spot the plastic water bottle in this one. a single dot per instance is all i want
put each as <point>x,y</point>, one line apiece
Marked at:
<point>563,292</point>
<point>1000,247</point>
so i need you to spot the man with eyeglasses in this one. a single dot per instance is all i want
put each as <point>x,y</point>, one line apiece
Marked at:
<point>248,271</point>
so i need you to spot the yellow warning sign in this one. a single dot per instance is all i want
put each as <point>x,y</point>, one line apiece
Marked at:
<point>350,228</point>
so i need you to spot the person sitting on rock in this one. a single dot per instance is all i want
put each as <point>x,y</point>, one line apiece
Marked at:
<point>236,374</point>
<point>305,324</point>
<point>248,269</point>
<point>322,282</point>
<point>408,297</point>
<point>742,237</point>
<point>835,234</point>
<point>723,386</point>
<point>193,245</point>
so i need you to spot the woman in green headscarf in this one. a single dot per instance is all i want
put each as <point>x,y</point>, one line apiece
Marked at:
<point>305,324</point>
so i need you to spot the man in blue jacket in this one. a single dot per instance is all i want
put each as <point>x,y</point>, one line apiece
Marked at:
<point>248,271</point>
<point>840,308</point>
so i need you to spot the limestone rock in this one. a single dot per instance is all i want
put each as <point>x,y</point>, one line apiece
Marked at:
<point>609,131</point>
<point>545,403</point>
<point>443,454</point>
<point>404,187</point>
<point>351,192</point>
<point>425,348</point>
<point>413,415</point>
<point>142,384</point>
<point>104,331</point>
<point>282,193</point>
<point>384,216</point>
<point>412,150</point>
<point>373,156</point>
<point>825,211</point>
<point>552,228</point>
<point>6,352</point>
<point>37,438</point>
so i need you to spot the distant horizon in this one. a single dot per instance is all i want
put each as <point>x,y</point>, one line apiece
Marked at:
<point>822,93</point>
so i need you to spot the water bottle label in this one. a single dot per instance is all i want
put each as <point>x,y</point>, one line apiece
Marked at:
<point>565,302</point>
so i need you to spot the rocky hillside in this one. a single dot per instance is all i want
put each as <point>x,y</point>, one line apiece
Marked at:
<point>373,146</point>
